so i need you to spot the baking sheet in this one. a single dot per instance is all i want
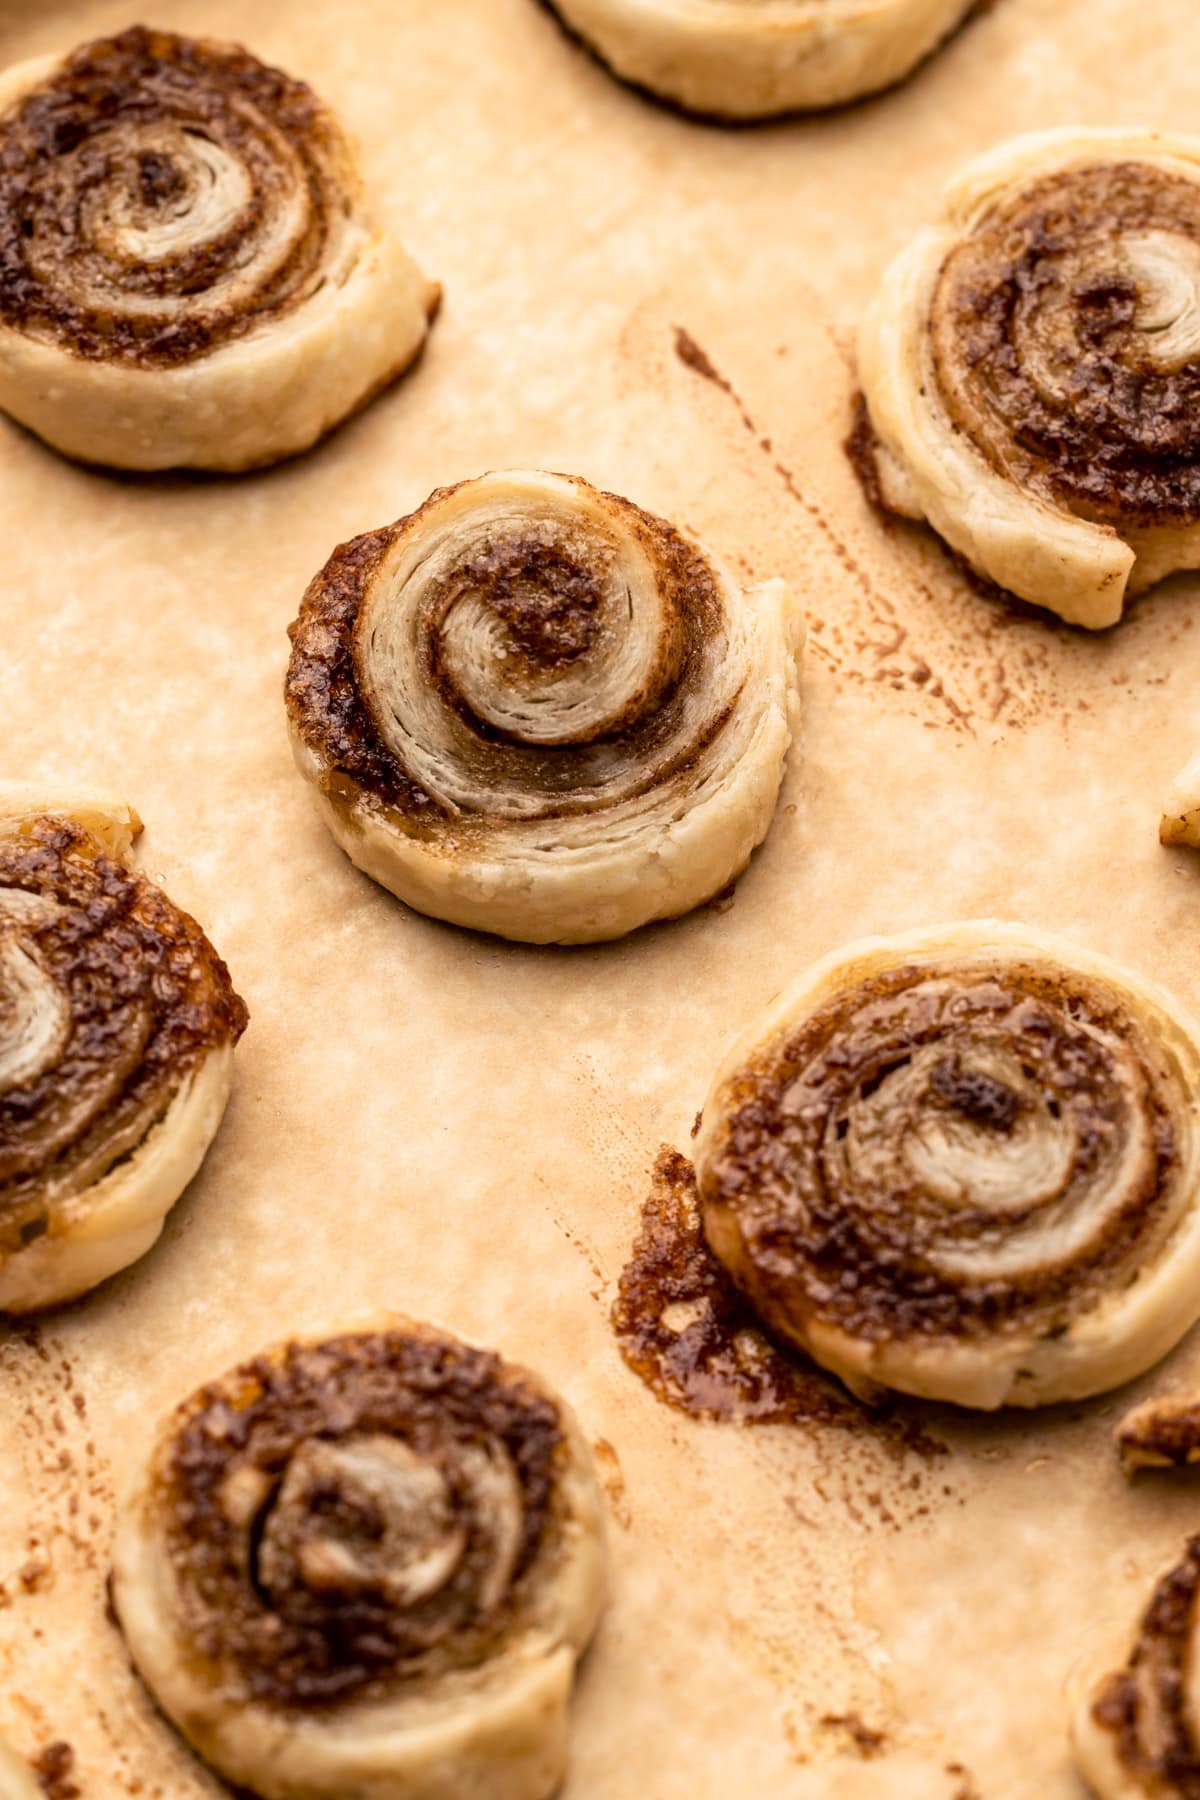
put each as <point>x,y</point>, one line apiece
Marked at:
<point>462,1129</point>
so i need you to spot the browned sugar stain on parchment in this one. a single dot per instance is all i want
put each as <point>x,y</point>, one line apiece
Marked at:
<point>49,1434</point>
<point>876,648</point>
<point>954,651</point>
<point>966,1789</point>
<point>52,1436</point>
<point>863,1740</point>
<point>687,1333</point>
<point>612,1480</point>
<point>684,1330</point>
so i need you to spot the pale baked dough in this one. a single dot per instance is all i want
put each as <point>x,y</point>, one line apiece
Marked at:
<point>277,374</point>
<point>748,59</point>
<point>1180,823</point>
<point>97,1199</point>
<point>880,1209</point>
<point>968,470</point>
<point>605,736</point>
<point>480,1715</point>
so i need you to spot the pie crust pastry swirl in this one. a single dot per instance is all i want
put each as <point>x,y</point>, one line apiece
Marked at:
<point>367,1565</point>
<point>188,274</point>
<point>1031,368</point>
<point>534,709</point>
<point>751,59</point>
<point>117,1027</point>
<point>1137,1731</point>
<point>963,1164</point>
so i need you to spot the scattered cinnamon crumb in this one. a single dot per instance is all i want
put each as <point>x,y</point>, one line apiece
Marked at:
<point>864,1738</point>
<point>722,902</point>
<point>35,1575</point>
<point>53,1768</point>
<point>859,445</point>
<point>612,1479</point>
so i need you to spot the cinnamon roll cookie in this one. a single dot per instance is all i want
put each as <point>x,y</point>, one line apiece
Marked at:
<point>534,709</point>
<point>750,59</point>
<point>1136,1731</point>
<point>189,275</point>
<point>117,1028</point>
<point>963,1164</point>
<point>367,1566</point>
<point>1031,369</point>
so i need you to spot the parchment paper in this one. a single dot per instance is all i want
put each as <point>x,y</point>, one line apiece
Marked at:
<point>462,1129</point>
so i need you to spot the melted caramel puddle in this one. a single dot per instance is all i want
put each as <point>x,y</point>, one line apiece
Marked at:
<point>685,1330</point>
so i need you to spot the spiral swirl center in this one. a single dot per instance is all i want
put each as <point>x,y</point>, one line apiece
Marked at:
<point>366,1516</point>
<point>526,656</point>
<point>968,1125</point>
<point>168,190</point>
<point>35,1019</point>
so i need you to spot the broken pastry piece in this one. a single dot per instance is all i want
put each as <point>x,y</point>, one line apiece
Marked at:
<point>1181,808</point>
<point>732,60</point>
<point>1031,369</point>
<point>533,709</point>
<point>117,1027</point>
<point>1136,1732</point>
<point>963,1164</point>
<point>1162,1433</point>
<point>190,275</point>
<point>367,1565</point>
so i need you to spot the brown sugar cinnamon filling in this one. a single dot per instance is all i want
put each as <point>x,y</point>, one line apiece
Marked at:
<point>192,272</point>
<point>907,1157</point>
